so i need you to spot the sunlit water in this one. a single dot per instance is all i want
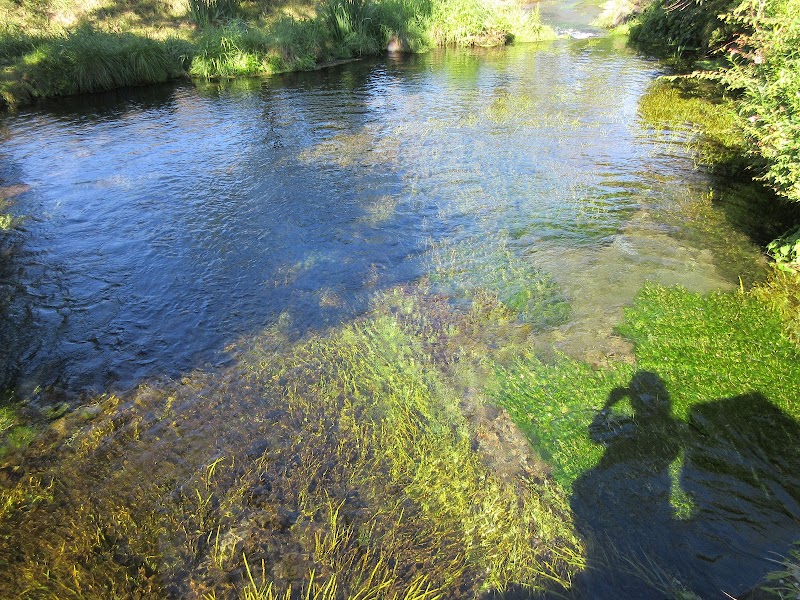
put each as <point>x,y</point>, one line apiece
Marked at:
<point>164,225</point>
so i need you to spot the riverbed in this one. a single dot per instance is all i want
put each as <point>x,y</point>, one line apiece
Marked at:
<point>164,230</point>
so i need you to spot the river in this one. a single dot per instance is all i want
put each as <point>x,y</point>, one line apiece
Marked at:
<point>163,226</point>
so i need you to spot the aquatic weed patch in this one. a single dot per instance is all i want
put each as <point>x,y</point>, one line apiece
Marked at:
<point>338,465</point>
<point>705,117</point>
<point>555,404</point>
<point>470,268</point>
<point>704,348</point>
<point>713,346</point>
<point>703,426</point>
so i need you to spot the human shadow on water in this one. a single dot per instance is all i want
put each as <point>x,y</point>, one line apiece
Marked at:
<point>697,506</point>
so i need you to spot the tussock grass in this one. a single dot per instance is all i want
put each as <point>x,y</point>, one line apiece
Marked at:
<point>95,46</point>
<point>88,60</point>
<point>207,12</point>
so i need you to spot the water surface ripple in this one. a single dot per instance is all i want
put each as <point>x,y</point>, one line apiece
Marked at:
<point>165,224</point>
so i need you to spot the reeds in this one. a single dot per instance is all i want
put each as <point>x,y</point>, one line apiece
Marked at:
<point>207,12</point>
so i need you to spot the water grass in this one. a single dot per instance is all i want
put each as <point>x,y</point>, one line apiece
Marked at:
<point>340,465</point>
<point>473,267</point>
<point>688,339</point>
<point>784,581</point>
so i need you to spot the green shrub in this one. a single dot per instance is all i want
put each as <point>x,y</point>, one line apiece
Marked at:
<point>686,29</point>
<point>765,69</point>
<point>786,251</point>
<point>756,48</point>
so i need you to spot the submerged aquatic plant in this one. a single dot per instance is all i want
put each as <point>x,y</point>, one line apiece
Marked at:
<point>475,267</point>
<point>342,466</point>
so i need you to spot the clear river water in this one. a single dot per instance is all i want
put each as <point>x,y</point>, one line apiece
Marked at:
<point>166,223</point>
<point>163,225</point>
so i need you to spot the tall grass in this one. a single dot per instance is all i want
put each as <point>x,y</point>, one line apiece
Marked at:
<point>207,12</point>
<point>353,25</point>
<point>43,59</point>
<point>88,60</point>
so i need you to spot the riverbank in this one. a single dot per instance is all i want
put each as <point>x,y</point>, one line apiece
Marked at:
<point>749,50</point>
<point>56,49</point>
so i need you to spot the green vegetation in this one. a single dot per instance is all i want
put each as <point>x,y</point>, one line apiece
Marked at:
<point>14,434</point>
<point>688,30</point>
<point>346,465</point>
<point>688,339</point>
<point>750,48</point>
<point>555,404</point>
<point>339,466</point>
<point>786,251</point>
<point>478,267</point>
<point>784,582</point>
<point>50,48</point>
<point>689,103</point>
<point>88,60</point>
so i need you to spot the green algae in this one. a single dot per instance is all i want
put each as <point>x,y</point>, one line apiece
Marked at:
<point>704,347</point>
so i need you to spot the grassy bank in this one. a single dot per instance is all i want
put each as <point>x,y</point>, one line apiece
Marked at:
<point>749,49</point>
<point>61,48</point>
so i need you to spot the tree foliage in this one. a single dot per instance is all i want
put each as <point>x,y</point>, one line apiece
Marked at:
<point>756,47</point>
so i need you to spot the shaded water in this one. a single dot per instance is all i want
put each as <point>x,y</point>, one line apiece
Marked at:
<point>167,225</point>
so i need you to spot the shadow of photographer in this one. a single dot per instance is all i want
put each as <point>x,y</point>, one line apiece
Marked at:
<point>673,507</point>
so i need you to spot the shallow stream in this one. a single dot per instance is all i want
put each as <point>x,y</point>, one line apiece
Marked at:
<point>165,225</point>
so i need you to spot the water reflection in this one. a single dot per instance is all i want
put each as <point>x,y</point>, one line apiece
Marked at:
<point>738,483</point>
<point>178,220</point>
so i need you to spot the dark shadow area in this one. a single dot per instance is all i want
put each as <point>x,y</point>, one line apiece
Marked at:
<point>653,534</point>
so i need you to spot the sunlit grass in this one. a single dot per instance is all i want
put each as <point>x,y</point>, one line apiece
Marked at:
<point>98,46</point>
